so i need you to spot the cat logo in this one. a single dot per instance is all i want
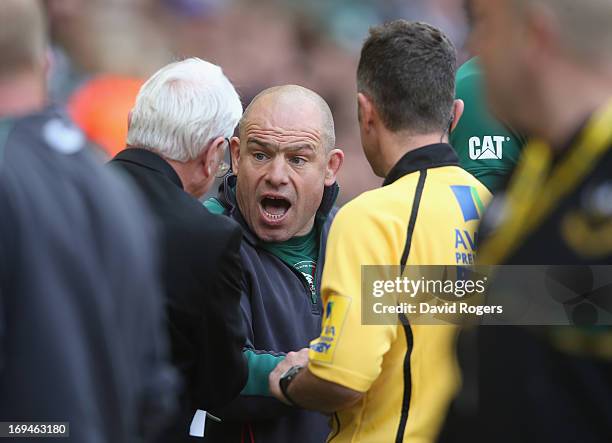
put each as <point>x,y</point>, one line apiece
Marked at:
<point>490,148</point>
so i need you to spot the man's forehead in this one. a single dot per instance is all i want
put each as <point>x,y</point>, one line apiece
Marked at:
<point>263,134</point>
<point>284,117</point>
<point>289,107</point>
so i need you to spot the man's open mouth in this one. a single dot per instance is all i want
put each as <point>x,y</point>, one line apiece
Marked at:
<point>274,208</point>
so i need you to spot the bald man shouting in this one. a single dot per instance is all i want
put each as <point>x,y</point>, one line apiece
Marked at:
<point>282,194</point>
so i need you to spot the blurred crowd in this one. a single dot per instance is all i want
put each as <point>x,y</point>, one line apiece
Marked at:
<point>103,49</point>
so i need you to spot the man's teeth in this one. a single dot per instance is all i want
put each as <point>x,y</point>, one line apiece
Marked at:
<point>274,212</point>
<point>274,208</point>
<point>274,216</point>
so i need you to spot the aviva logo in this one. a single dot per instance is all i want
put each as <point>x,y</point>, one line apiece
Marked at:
<point>469,201</point>
<point>491,147</point>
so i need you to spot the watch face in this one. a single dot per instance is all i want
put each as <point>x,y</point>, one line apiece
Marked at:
<point>291,372</point>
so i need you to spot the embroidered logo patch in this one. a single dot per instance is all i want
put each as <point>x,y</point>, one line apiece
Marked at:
<point>336,309</point>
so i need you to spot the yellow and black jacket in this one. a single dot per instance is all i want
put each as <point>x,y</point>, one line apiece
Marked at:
<point>546,383</point>
<point>558,207</point>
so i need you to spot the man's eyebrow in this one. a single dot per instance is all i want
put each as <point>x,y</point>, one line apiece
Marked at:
<point>300,147</point>
<point>259,142</point>
<point>292,148</point>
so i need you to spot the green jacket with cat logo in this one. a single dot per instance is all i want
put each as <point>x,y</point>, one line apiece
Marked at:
<point>487,148</point>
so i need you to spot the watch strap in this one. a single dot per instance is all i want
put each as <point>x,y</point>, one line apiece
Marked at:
<point>284,384</point>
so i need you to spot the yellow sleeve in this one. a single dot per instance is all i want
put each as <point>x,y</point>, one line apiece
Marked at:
<point>348,353</point>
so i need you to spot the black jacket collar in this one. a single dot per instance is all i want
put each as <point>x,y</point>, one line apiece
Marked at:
<point>150,160</point>
<point>427,157</point>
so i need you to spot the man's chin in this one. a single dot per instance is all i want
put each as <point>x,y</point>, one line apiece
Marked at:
<point>272,235</point>
<point>270,230</point>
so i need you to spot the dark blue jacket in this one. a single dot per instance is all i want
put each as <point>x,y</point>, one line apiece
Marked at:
<point>280,317</point>
<point>81,332</point>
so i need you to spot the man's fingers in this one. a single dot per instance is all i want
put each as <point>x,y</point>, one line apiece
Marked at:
<point>299,358</point>
<point>303,352</point>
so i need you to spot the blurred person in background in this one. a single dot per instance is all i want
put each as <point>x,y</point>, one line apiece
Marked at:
<point>100,106</point>
<point>282,195</point>
<point>178,133</point>
<point>102,52</point>
<point>81,334</point>
<point>548,72</point>
<point>392,383</point>
<point>487,148</point>
<point>124,38</point>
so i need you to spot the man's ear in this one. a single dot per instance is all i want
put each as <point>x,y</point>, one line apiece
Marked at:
<point>210,158</point>
<point>130,118</point>
<point>458,108</point>
<point>365,111</point>
<point>235,151</point>
<point>335,158</point>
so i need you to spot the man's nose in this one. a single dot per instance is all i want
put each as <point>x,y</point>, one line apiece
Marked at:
<point>278,172</point>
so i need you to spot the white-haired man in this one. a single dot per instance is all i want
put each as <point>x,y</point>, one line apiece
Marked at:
<point>176,139</point>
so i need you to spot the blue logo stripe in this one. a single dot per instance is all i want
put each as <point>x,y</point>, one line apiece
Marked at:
<point>466,202</point>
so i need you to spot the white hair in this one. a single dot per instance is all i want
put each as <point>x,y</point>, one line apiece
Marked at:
<point>182,108</point>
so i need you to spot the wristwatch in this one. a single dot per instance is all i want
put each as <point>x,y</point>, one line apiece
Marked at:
<point>286,379</point>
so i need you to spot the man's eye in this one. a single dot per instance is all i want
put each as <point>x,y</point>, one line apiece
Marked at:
<point>260,156</point>
<point>298,161</point>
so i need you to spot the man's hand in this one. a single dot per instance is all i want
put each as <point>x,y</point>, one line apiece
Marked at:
<point>299,358</point>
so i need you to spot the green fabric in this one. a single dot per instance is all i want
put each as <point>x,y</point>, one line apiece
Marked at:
<point>486,147</point>
<point>478,201</point>
<point>260,366</point>
<point>301,254</point>
<point>6,124</point>
<point>214,206</point>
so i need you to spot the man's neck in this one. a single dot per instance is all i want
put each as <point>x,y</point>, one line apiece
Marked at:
<point>21,94</point>
<point>186,171</point>
<point>395,145</point>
